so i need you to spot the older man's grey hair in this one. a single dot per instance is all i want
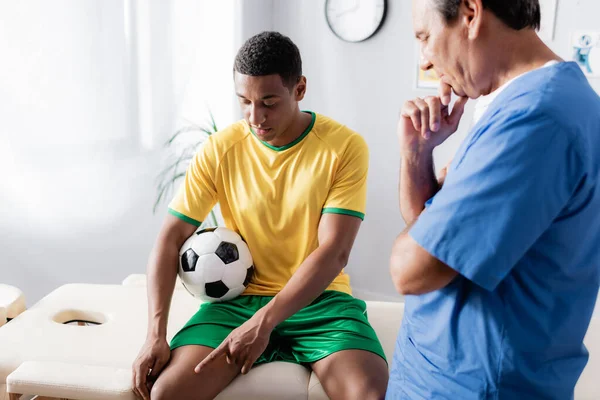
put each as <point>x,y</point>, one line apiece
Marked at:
<point>517,14</point>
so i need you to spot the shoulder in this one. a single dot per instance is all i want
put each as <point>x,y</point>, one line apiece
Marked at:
<point>216,147</point>
<point>559,96</point>
<point>339,138</point>
<point>223,140</point>
<point>550,108</point>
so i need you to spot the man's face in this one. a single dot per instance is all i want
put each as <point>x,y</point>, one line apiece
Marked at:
<point>268,105</point>
<point>444,47</point>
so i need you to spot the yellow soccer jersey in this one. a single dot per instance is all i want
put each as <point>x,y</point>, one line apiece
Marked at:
<point>274,196</point>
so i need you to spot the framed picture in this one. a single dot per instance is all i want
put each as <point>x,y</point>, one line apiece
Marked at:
<point>548,9</point>
<point>427,79</point>
<point>586,52</point>
<point>424,79</point>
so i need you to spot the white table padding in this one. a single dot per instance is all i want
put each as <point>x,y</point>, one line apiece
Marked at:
<point>135,280</point>
<point>315,389</point>
<point>277,380</point>
<point>35,336</point>
<point>139,280</point>
<point>12,300</point>
<point>64,380</point>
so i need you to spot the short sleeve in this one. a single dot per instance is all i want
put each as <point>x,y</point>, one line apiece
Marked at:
<point>197,195</point>
<point>506,190</point>
<point>348,193</point>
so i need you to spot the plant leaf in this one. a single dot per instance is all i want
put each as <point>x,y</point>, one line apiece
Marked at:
<point>178,164</point>
<point>212,120</point>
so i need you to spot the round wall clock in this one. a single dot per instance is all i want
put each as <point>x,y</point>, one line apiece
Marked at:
<point>355,20</point>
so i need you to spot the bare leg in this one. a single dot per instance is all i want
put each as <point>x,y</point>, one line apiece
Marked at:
<point>179,381</point>
<point>353,374</point>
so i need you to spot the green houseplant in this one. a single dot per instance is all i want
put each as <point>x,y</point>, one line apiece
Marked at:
<point>182,146</point>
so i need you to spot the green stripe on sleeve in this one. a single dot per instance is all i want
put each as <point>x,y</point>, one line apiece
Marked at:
<point>184,217</point>
<point>343,211</point>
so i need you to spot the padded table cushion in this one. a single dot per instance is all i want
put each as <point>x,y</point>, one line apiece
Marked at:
<point>139,280</point>
<point>12,300</point>
<point>40,335</point>
<point>63,380</point>
<point>2,316</point>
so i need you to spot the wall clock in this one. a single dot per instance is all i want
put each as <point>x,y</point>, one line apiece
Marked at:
<point>355,20</point>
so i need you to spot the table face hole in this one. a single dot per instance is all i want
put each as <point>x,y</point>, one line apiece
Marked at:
<point>79,318</point>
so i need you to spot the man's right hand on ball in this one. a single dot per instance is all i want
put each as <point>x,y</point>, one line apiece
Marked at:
<point>151,360</point>
<point>426,123</point>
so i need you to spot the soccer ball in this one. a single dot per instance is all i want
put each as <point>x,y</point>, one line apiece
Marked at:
<point>215,264</point>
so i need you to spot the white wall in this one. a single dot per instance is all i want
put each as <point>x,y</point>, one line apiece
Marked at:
<point>364,85</point>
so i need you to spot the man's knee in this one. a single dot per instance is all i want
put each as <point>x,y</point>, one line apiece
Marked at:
<point>167,388</point>
<point>373,394</point>
<point>369,388</point>
<point>363,388</point>
<point>162,390</point>
<point>365,393</point>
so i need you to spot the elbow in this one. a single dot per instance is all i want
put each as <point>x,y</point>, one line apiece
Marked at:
<point>416,272</point>
<point>400,279</point>
<point>413,278</point>
<point>336,257</point>
<point>401,266</point>
<point>342,258</point>
<point>397,267</point>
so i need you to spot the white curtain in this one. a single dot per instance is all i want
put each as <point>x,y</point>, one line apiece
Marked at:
<point>89,92</point>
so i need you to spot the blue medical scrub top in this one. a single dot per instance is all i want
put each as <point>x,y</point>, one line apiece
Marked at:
<point>518,218</point>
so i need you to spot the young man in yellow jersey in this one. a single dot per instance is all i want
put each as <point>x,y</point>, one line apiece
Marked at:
<point>293,184</point>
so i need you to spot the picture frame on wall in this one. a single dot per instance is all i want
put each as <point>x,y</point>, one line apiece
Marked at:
<point>586,52</point>
<point>426,80</point>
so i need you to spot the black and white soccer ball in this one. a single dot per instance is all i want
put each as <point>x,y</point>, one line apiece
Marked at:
<point>215,264</point>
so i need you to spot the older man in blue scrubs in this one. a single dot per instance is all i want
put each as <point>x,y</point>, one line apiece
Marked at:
<point>500,265</point>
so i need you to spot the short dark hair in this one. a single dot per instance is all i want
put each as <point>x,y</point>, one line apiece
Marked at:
<point>270,53</point>
<point>517,14</point>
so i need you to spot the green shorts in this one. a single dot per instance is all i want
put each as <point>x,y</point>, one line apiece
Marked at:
<point>335,321</point>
